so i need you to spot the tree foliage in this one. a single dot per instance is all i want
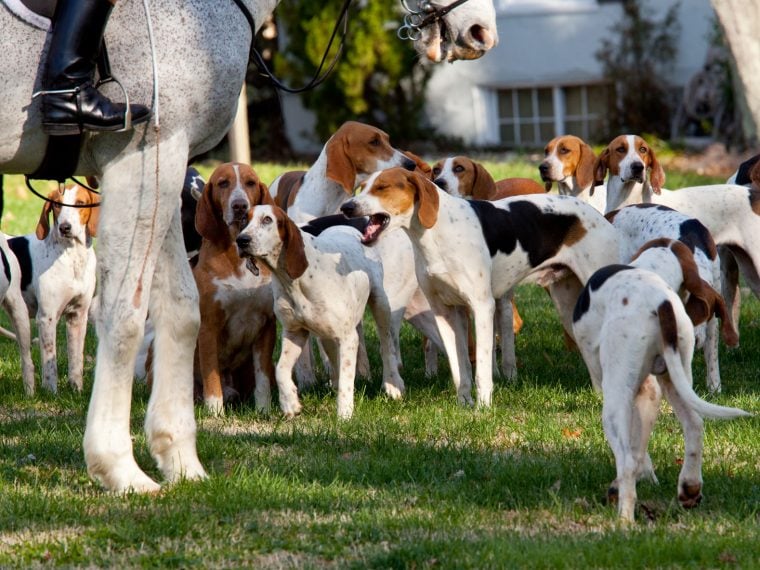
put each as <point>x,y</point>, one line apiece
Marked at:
<point>637,60</point>
<point>375,81</point>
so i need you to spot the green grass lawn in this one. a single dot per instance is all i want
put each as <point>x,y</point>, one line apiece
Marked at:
<point>420,483</point>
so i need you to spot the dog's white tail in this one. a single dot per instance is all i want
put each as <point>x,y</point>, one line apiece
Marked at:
<point>678,376</point>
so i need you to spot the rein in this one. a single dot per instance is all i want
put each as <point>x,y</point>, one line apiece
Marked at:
<point>319,75</point>
<point>425,15</point>
<point>60,188</point>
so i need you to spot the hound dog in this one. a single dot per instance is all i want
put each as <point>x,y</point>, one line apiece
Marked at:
<point>640,223</point>
<point>321,285</point>
<point>13,303</point>
<point>355,151</point>
<point>470,252</point>
<point>730,212</point>
<point>463,177</point>
<point>629,324</point>
<point>238,330</point>
<point>569,162</point>
<point>58,277</point>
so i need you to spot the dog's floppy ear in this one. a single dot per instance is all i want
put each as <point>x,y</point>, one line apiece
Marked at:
<point>656,174</point>
<point>584,171</point>
<point>601,166</point>
<point>754,175</point>
<point>92,221</point>
<point>43,226</point>
<point>340,169</point>
<point>208,221</point>
<point>295,253</point>
<point>704,301</point>
<point>427,196</point>
<point>483,184</point>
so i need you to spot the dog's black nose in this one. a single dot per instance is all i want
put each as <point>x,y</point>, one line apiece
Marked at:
<point>243,241</point>
<point>637,168</point>
<point>543,168</point>
<point>409,164</point>
<point>348,208</point>
<point>441,183</point>
<point>64,228</point>
<point>239,206</point>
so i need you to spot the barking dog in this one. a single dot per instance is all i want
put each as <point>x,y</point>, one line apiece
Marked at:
<point>469,252</point>
<point>321,285</point>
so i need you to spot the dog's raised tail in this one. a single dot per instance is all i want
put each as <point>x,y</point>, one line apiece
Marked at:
<point>678,375</point>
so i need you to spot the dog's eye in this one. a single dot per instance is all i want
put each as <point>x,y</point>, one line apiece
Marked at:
<point>458,168</point>
<point>375,142</point>
<point>381,187</point>
<point>79,202</point>
<point>266,220</point>
<point>223,183</point>
<point>564,150</point>
<point>643,150</point>
<point>436,171</point>
<point>250,183</point>
<point>621,149</point>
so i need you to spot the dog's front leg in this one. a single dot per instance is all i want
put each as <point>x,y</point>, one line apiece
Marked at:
<point>46,329</point>
<point>76,330</point>
<point>452,328</point>
<point>293,342</point>
<point>483,313</point>
<point>347,348</point>
<point>263,366</point>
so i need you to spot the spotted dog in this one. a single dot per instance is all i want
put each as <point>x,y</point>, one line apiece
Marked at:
<point>631,324</point>
<point>321,285</point>
<point>468,253</point>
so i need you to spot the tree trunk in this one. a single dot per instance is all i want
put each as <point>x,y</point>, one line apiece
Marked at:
<point>740,20</point>
<point>240,146</point>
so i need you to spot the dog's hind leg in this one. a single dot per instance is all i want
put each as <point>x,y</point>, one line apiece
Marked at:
<point>645,413</point>
<point>393,385</point>
<point>19,314</point>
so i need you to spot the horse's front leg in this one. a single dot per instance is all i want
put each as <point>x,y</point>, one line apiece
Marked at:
<point>170,420</point>
<point>134,220</point>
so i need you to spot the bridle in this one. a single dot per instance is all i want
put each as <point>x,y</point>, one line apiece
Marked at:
<point>426,14</point>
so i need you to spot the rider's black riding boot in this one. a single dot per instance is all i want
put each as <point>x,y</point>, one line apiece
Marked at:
<point>71,103</point>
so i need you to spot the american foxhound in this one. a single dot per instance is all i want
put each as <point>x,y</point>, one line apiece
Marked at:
<point>463,177</point>
<point>468,253</point>
<point>640,223</point>
<point>58,277</point>
<point>569,162</point>
<point>630,323</point>
<point>238,330</point>
<point>730,212</point>
<point>321,285</point>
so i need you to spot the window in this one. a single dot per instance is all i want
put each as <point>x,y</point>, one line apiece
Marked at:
<point>530,117</point>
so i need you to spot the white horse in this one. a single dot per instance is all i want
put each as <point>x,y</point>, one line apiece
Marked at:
<point>202,51</point>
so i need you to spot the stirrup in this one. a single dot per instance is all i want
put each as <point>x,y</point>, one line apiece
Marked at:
<point>128,111</point>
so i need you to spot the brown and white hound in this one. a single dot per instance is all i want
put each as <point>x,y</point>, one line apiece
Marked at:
<point>569,162</point>
<point>463,177</point>
<point>468,253</point>
<point>238,330</point>
<point>631,324</point>
<point>58,277</point>
<point>322,285</point>
<point>730,212</point>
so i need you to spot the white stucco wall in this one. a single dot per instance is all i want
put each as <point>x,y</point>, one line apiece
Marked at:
<point>546,42</point>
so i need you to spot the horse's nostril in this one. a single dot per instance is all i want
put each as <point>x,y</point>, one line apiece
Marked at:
<point>481,35</point>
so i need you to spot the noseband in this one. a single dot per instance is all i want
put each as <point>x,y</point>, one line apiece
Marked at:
<point>425,15</point>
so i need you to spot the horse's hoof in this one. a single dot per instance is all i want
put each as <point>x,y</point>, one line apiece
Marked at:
<point>393,391</point>
<point>690,495</point>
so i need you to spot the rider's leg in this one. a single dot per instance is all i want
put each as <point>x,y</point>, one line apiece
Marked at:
<point>71,102</point>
